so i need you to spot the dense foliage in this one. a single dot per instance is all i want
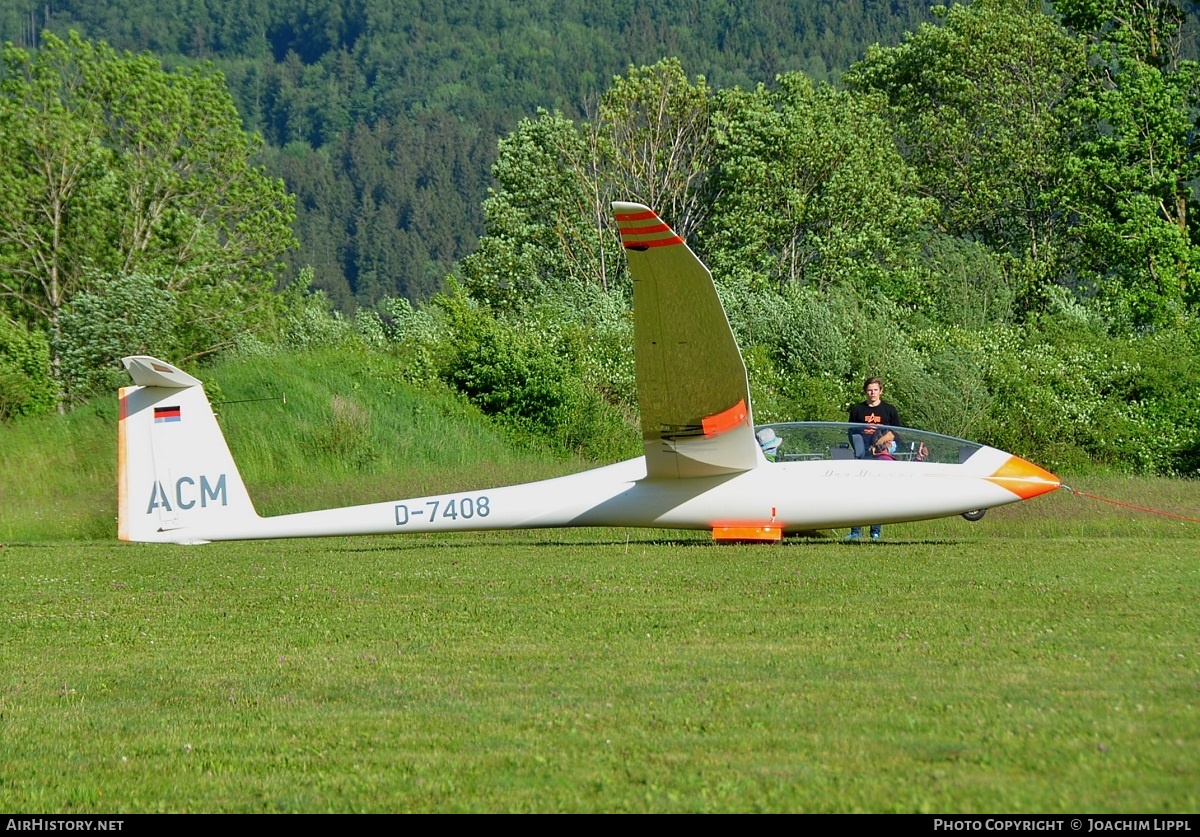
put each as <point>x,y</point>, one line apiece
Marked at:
<point>118,174</point>
<point>950,221</point>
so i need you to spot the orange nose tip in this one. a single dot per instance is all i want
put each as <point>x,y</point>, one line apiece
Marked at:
<point>1024,478</point>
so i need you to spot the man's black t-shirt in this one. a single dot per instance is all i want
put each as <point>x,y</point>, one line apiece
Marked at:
<point>881,413</point>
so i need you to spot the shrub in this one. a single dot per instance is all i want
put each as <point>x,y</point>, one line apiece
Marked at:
<point>531,373</point>
<point>417,335</point>
<point>25,384</point>
<point>116,316</point>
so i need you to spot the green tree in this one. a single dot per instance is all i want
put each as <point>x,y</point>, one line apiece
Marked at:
<point>549,218</point>
<point>53,186</point>
<point>810,189</point>
<point>983,108</point>
<point>114,166</point>
<point>25,385</point>
<point>544,230</point>
<point>113,318</point>
<point>1137,169</point>
<point>656,130</point>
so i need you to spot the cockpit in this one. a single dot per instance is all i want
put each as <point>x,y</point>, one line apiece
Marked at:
<point>798,441</point>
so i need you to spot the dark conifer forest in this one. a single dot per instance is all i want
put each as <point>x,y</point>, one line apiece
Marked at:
<point>382,116</point>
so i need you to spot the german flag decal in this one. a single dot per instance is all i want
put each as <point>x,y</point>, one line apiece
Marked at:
<point>643,230</point>
<point>162,414</point>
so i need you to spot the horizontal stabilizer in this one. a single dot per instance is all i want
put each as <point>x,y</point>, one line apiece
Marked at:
<point>148,371</point>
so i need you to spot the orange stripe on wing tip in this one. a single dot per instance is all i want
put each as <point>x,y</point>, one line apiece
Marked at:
<point>648,235</point>
<point>641,236</point>
<point>642,245</point>
<point>724,420</point>
<point>1024,478</point>
<point>635,216</point>
<point>646,230</point>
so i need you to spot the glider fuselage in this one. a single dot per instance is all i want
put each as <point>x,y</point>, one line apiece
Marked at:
<point>788,496</point>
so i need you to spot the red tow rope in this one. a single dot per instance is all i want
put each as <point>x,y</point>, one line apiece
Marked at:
<point>1130,505</point>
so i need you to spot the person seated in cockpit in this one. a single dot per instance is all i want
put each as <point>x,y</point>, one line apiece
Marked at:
<point>885,447</point>
<point>769,441</point>
<point>873,443</point>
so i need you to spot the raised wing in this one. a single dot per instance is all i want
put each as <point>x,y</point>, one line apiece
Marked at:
<point>692,388</point>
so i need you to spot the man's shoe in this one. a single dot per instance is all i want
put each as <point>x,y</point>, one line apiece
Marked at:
<point>854,536</point>
<point>875,536</point>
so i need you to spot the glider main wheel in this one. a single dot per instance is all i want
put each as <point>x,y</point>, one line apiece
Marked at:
<point>974,515</point>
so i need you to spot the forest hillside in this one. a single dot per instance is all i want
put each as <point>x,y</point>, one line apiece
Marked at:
<point>382,116</point>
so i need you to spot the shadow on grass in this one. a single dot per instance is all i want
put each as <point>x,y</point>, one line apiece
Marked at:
<point>880,544</point>
<point>789,541</point>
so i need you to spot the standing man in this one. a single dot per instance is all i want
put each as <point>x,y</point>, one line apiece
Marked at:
<point>879,441</point>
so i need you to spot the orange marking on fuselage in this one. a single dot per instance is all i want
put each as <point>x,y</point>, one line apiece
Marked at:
<point>747,533</point>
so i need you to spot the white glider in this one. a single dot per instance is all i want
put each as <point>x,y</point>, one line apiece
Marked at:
<point>703,468</point>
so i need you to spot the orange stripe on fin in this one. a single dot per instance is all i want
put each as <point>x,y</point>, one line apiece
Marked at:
<point>122,465</point>
<point>725,420</point>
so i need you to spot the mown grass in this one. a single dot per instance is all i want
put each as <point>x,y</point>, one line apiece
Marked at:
<point>586,672</point>
<point>1132,507</point>
<point>1044,659</point>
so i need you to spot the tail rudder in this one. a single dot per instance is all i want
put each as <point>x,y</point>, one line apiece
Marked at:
<point>176,479</point>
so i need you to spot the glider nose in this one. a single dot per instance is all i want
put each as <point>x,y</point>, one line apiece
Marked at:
<point>1024,478</point>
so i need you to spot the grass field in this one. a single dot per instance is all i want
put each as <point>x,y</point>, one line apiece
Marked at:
<point>1046,659</point>
<point>603,671</point>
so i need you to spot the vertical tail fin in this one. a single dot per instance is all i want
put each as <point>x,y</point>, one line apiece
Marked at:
<point>176,479</point>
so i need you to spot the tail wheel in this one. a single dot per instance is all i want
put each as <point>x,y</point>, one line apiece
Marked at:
<point>974,515</point>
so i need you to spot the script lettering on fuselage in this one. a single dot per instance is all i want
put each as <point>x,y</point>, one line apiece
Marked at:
<point>186,494</point>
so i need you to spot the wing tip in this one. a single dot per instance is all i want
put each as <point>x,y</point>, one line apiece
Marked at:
<point>641,228</point>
